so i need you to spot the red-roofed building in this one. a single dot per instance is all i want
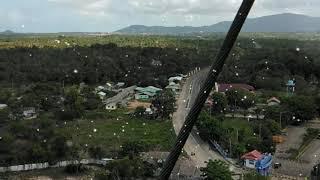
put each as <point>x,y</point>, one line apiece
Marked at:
<point>251,158</point>
<point>222,88</point>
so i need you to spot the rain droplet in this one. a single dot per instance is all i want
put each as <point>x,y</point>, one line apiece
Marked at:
<point>94,130</point>
<point>122,130</point>
<point>297,49</point>
<point>75,71</point>
<point>38,130</point>
<point>143,124</point>
<point>237,74</point>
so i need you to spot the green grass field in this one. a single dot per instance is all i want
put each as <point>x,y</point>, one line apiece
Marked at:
<point>238,124</point>
<point>111,129</point>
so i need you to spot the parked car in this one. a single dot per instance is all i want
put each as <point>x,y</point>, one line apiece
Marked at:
<point>277,165</point>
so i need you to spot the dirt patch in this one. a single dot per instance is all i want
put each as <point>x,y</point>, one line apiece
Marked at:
<point>134,104</point>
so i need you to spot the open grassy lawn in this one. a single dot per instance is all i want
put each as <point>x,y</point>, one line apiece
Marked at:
<point>111,129</point>
<point>240,125</point>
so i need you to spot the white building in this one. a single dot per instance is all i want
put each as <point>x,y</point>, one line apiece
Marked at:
<point>250,159</point>
<point>29,113</point>
<point>3,106</point>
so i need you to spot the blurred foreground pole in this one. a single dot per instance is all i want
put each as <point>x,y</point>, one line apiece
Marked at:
<point>206,88</point>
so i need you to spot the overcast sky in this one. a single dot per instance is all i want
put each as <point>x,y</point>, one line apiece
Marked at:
<point>111,15</point>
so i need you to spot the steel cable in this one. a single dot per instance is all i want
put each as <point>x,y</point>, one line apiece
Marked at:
<point>206,88</point>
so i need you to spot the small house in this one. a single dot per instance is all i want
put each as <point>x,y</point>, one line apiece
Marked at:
<point>148,111</point>
<point>146,93</point>
<point>251,158</point>
<point>175,88</point>
<point>111,106</point>
<point>120,85</point>
<point>99,88</point>
<point>3,106</point>
<point>222,88</point>
<point>102,95</point>
<point>273,101</point>
<point>156,63</point>
<point>29,113</point>
<point>175,79</point>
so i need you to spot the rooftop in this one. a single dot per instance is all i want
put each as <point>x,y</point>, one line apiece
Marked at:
<point>253,155</point>
<point>226,87</point>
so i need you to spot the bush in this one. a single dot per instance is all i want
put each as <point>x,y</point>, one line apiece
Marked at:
<point>75,169</point>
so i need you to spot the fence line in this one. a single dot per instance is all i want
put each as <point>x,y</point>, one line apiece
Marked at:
<point>45,165</point>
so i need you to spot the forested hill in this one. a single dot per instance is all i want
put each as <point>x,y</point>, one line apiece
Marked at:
<point>275,23</point>
<point>262,63</point>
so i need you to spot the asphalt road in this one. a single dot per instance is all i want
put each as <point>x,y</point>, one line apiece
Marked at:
<point>194,143</point>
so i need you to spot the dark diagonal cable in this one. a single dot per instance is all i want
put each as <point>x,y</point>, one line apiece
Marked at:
<point>206,87</point>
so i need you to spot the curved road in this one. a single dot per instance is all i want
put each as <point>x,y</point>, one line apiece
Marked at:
<point>194,143</point>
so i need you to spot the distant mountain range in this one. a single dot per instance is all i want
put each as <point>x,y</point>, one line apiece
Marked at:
<point>286,22</point>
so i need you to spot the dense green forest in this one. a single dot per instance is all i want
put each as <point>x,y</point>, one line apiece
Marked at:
<point>263,63</point>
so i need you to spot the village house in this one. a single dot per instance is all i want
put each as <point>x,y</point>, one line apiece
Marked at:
<point>156,63</point>
<point>29,113</point>
<point>251,158</point>
<point>102,95</point>
<point>3,106</point>
<point>222,88</point>
<point>119,85</point>
<point>146,93</point>
<point>273,101</point>
<point>175,88</point>
<point>175,79</point>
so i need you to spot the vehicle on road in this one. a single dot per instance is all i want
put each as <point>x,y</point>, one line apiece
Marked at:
<point>276,165</point>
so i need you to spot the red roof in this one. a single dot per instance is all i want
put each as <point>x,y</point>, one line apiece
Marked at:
<point>226,87</point>
<point>253,155</point>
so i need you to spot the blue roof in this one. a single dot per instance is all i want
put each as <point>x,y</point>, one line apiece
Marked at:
<point>264,162</point>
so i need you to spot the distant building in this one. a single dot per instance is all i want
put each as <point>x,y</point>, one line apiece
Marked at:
<point>3,106</point>
<point>111,106</point>
<point>273,101</point>
<point>256,160</point>
<point>251,158</point>
<point>156,63</point>
<point>102,95</point>
<point>291,84</point>
<point>175,88</point>
<point>222,88</point>
<point>120,84</point>
<point>175,79</point>
<point>146,93</point>
<point>29,113</point>
<point>99,88</point>
<point>149,111</point>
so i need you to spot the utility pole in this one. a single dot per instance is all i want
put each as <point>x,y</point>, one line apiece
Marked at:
<point>206,88</point>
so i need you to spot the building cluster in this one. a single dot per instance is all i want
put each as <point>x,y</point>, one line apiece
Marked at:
<point>260,162</point>
<point>174,83</point>
<point>133,96</point>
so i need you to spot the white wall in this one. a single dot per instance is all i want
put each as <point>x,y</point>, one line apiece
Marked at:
<point>248,165</point>
<point>27,167</point>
